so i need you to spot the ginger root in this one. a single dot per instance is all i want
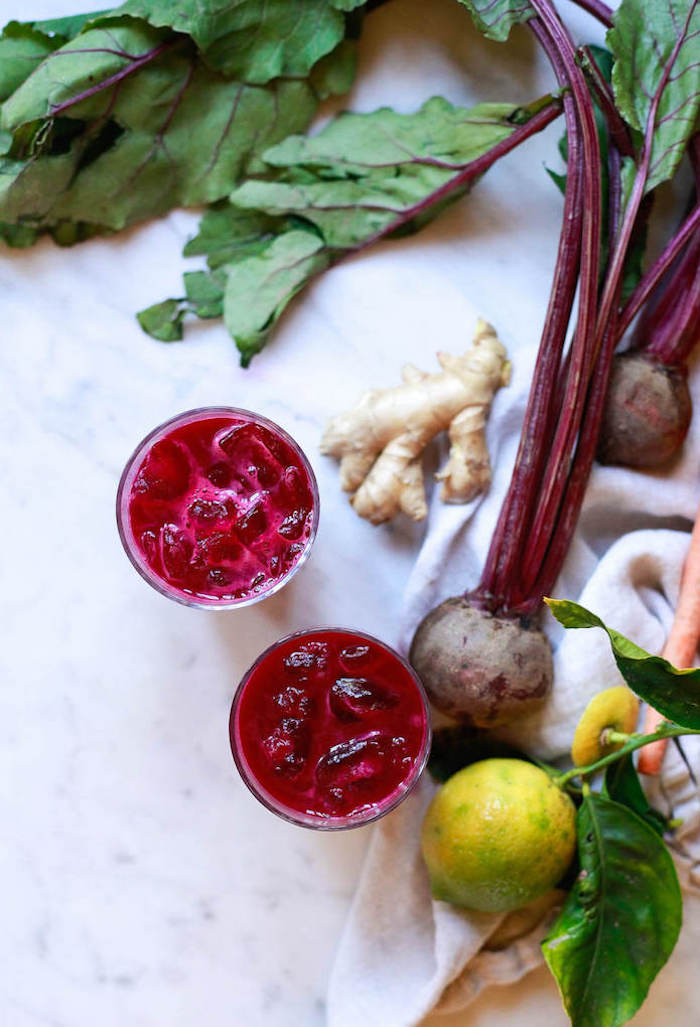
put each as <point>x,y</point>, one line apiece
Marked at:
<point>380,441</point>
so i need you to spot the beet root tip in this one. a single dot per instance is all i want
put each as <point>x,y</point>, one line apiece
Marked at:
<point>480,668</point>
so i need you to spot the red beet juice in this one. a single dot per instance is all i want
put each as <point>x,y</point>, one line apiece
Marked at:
<point>217,507</point>
<point>330,728</point>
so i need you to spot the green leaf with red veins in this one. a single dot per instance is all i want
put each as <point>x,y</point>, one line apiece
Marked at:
<point>334,74</point>
<point>113,156</point>
<point>80,67</point>
<point>495,18</point>
<point>66,27</point>
<point>367,175</point>
<point>22,48</point>
<point>24,45</point>
<point>251,40</point>
<point>621,920</point>
<point>437,135</point>
<point>656,75</point>
<point>227,237</point>
<point>363,176</point>
<point>205,292</point>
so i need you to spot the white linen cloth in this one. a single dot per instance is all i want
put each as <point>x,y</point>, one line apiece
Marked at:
<point>401,954</point>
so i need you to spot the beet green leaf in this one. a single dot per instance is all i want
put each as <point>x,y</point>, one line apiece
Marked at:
<point>363,177</point>
<point>656,76</point>
<point>99,135</point>
<point>495,18</point>
<point>24,45</point>
<point>252,40</point>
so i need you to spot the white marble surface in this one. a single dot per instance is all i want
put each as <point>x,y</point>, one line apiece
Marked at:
<point>141,884</point>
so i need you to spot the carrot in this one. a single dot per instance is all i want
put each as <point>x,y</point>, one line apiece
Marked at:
<point>681,644</point>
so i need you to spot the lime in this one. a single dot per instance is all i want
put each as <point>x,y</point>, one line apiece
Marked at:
<point>497,835</point>
<point>613,709</point>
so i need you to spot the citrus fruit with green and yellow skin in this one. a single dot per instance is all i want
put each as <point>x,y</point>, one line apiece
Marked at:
<point>616,709</point>
<point>497,835</point>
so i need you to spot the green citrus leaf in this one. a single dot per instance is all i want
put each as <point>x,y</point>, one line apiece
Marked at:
<point>657,62</point>
<point>621,920</point>
<point>674,693</point>
<point>622,784</point>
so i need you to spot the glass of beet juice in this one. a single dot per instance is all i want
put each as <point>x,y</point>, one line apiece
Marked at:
<point>217,508</point>
<point>330,728</point>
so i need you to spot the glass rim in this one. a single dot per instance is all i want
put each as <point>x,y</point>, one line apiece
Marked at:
<point>124,528</point>
<point>339,823</point>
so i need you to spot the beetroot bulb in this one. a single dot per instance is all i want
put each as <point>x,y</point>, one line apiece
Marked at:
<point>475,665</point>
<point>647,412</point>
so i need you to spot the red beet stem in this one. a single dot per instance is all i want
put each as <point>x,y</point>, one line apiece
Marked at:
<point>659,268</point>
<point>673,328</point>
<point>670,325</point>
<point>544,417</point>
<point>506,543</point>
<point>614,191</point>
<point>564,486</point>
<point>617,129</point>
<point>553,484</point>
<point>598,9</point>
<point>577,482</point>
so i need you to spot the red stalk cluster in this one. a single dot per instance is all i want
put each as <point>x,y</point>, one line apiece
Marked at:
<point>670,325</point>
<point>567,397</point>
